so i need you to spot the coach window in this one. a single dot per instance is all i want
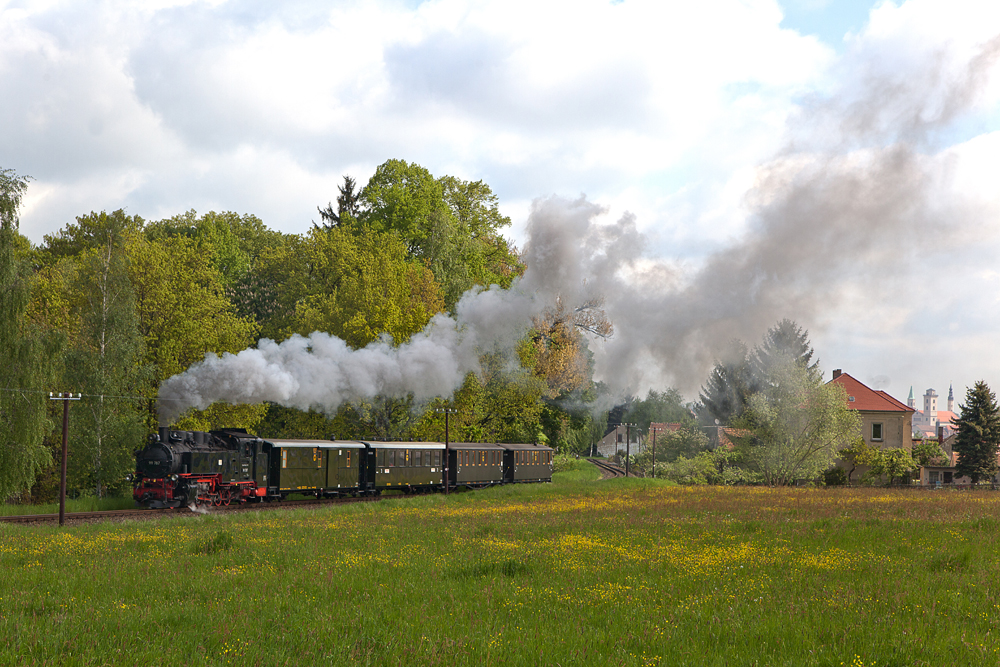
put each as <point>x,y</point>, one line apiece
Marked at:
<point>877,431</point>
<point>391,461</point>
<point>437,458</point>
<point>416,459</point>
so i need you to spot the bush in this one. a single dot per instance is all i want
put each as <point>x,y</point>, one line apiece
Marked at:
<point>835,477</point>
<point>563,463</point>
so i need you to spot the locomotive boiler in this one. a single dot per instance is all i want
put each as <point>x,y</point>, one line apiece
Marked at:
<point>178,468</point>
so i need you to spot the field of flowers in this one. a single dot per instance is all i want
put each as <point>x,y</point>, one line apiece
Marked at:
<point>582,571</point>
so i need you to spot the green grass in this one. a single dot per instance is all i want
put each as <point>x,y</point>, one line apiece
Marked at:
<point>580,571</point>
<point>89,504</point>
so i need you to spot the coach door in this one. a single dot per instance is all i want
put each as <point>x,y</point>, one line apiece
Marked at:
<point>260,467</point>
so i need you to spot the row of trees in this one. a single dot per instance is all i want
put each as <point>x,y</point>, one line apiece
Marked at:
<point>112,304</point>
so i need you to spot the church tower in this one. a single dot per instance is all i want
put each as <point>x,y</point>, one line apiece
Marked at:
<point>951,399</point>
<point>910,403</point>
<point>930,406</point>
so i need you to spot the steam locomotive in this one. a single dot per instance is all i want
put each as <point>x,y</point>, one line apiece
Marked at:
<point>178,468</point>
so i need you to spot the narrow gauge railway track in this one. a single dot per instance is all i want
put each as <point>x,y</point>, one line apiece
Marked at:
<point>120,515</point>
<point>608,470</point>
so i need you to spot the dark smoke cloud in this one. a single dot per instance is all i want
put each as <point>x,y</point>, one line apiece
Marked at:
<point>849,205</point>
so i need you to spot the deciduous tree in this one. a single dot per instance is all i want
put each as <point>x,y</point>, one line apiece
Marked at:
<point>26,354</point>
<point>889,465</point>
<point>359,287</point>
<point>105,359</point>
<point>795,430</point>
<point>929,453</point>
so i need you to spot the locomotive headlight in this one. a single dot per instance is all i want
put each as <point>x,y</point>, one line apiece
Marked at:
<point>128,477</point>
<point>173,478</point>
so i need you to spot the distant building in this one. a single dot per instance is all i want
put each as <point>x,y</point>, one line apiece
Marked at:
<point>926,422</point>
<point>614,441</point>
<point>942,475</point>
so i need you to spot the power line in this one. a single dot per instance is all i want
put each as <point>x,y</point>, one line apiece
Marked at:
<point>123,396</point>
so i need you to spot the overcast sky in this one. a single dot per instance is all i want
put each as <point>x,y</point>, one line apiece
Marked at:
<point>694,116</point>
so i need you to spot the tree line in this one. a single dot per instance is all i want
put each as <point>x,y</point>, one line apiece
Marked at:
<point>111,305</point>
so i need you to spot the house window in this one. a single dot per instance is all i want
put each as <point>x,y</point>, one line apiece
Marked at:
<point>877,431</point>
<point>619,437</point>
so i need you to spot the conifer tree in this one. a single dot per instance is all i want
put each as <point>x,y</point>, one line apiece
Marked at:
<point>727,392</point>
<point>785,340</point>
<point>978,434</point>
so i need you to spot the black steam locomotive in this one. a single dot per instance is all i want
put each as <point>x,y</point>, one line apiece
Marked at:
<point>178,468</point>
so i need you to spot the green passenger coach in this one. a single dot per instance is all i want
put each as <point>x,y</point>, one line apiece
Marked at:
<point>475,465</point>
<point>321,467</point>
<point>409,466</point>
<point>527,463</point>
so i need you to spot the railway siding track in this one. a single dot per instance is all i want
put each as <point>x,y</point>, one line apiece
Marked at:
<point>608,470</point>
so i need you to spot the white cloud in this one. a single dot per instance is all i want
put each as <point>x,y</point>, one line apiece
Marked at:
<point>662,109</point>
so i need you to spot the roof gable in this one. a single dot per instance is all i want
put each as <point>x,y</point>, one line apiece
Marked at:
<point>867,399</point>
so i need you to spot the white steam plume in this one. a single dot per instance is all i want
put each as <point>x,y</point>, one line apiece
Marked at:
<point>850,204</point>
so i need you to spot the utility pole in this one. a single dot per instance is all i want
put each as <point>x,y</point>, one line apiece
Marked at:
<point>65,398</point>
<point>447,449</point>
<point>654,430</point>
<point>628,445</point>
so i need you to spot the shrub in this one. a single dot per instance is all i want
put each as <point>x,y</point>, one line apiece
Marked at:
<point>835,477</point>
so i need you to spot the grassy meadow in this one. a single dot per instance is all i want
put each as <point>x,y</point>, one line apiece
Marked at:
<point>579,572</point>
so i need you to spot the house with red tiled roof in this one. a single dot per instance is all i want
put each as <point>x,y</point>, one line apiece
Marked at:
<point>885,422</point>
